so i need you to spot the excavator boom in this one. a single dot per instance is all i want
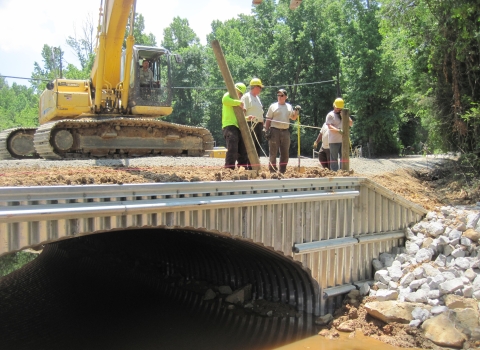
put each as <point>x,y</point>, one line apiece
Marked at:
<point>113,21</point>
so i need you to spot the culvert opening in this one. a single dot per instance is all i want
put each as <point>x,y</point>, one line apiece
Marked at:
<point>116,270</point>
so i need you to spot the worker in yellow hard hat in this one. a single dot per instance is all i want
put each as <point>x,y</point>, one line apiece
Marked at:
<point>335,133</point>
<point>254,112</point>
<point>236,150</point>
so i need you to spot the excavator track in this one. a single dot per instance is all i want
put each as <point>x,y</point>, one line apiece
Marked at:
<point>17,143</point>
<point>107,137</point>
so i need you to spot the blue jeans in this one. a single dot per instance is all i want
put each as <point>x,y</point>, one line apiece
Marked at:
<point>335,155</point>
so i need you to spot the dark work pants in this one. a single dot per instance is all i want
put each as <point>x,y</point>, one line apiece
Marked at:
<point>324,157</point>
<point>335,155</point>
<point>279,141</point>
<point>257,136</point>
<point>236,150</point>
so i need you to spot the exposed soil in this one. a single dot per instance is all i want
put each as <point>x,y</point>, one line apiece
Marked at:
<point>429,187</point>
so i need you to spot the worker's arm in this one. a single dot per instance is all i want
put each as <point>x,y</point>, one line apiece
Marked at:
<point>228,101</point>
<point>295,113</point>
<point>268,118</point>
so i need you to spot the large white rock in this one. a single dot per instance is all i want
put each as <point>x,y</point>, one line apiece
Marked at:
<point>430,271</point>
<point>472,220</point>
<point>448,249</point>
<point>385,295</point>
<point>424,255</point>
<point>450,286</point>
<point>476,283</point>
<point>414,285</point>
<point>462,263</point>
<point>470,274</point>
<point>420,296</point>
<point>458,253</point>
<point>454,234</point>
<point>441,260</point>
<point>412,248</point>
<point>395,272</point>
<point>418,272</point>
<point>407,279</point>
<point>435,229</point>
<point>382,276</point>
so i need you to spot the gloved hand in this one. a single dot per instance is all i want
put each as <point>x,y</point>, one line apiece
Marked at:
<point>268,134</point>
<point>298,108</point>
<point>315,144</point>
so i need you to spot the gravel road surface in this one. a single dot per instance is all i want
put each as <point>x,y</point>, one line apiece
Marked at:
<point>359,165</point>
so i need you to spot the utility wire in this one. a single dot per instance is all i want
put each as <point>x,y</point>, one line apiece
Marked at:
<point>265,87</point>
<point>193,87</point>
<point>8,76</point>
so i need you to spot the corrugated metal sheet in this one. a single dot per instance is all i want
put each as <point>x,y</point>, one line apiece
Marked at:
<point>272,213</point>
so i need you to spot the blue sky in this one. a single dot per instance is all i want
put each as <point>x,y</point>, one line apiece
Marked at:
<point>27,25</point>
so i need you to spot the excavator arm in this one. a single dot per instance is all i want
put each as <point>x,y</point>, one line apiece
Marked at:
<point>114,19</point>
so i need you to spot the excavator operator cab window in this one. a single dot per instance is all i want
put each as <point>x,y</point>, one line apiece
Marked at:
<point>150,81</point>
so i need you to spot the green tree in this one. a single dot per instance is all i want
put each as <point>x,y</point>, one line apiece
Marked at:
<point>439,43</point>
<point>84,46</point>
<point>368,78</point>
<point>53,66</point>
<point>18,106</point>
<point>141,38</point>
<point>189,101</point>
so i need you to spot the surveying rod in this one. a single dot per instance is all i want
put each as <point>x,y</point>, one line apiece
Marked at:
<point>298,134</point>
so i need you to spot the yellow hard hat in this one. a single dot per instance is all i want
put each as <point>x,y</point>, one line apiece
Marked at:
<point>241,87</point>
<point>256,82</point>
<point>339,103</point>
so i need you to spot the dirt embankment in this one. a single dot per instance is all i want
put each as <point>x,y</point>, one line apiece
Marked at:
<point>419,179</point>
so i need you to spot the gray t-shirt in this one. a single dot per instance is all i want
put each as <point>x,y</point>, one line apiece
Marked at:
<point>334,120</point>
<point>280,115</point>
<point>253,106</point>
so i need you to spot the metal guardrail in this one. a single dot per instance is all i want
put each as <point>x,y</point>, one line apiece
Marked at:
<point>101,209</point>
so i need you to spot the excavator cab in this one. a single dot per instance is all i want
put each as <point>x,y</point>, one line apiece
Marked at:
<point>157,91</point>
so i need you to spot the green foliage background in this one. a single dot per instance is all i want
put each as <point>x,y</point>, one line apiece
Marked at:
<point>408,71</point>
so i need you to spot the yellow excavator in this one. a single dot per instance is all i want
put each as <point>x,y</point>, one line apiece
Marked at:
<point>114,113</point>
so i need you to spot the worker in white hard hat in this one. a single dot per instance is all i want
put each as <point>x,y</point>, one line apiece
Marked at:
<point>335,133</point>
<point>254,112</point>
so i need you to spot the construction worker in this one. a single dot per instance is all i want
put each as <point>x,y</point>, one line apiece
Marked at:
<point>277,130</point>
<point>236,150</point>
<point>324,153</point>
<point>335,133</point>
<point>146,74</point>
<point>254,112</point>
